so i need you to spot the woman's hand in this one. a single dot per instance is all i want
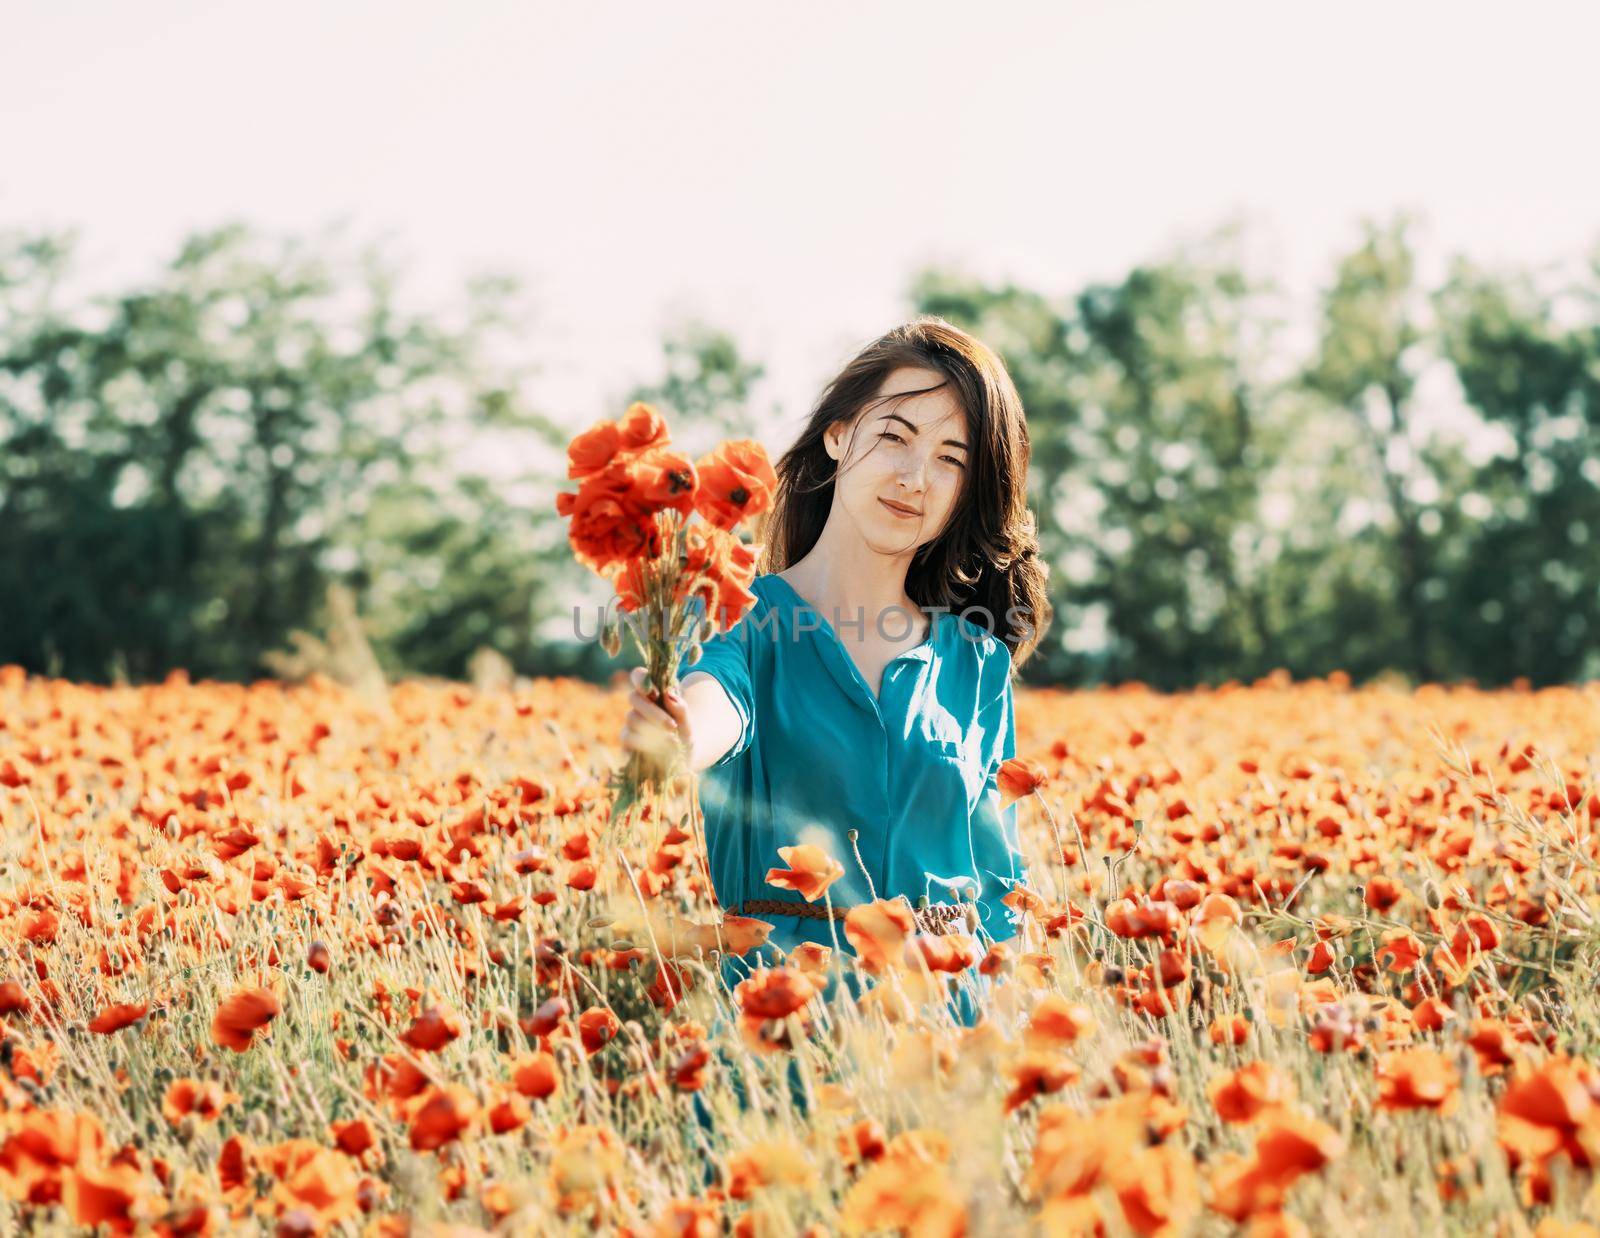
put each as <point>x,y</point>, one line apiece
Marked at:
<point>652,728</point>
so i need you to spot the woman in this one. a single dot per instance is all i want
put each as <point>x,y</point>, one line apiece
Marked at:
<point>865,701</point>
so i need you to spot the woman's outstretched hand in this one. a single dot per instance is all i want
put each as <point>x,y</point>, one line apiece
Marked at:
<point>655,729</point>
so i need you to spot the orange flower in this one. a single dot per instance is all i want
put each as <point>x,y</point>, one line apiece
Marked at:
<point>440,1115</point>
<point>715,571</point>
<point>205,1099</point>
<point>1159,1191</point>
<point>1244,1094</point>
<point>737,482</point>
<point>592,450</point>
<point>1456,969</point>
<point>1215,919</point>
<point>1417,1079</point>
<point>1019,777</point>
<point>1228,1030</point>
<point>1553,1108</point>
<point>536,1075</point>
<point>509,1113</point>
<point>811,871</point>
<point>732,935</point>
<point>103,1195</point>
<point>1292,1144</point>
<point>779,1162</point>
<point>774,992</point>
<point>586,1166</point>
<point>878,931</point>
<point>353,1137</point>
<point>12,998</point>
<point>664,481</point>
<point>115,1018</point>
<point>1400,950</point>
<point>642,428</point>
<point>906,1191</point>
<point>811,957</point>
<point>241,1015</point>
<point>1146,918</point>
<point>1056,1021</point>
<point>436,1027</point>
<point>1383,893</point>
<point>609,523</point>
<point>1431,1014</point>
<point>945,952</point>
<point>597,1026</point>
<point>1038,1073</point>
<point>314,1182</point>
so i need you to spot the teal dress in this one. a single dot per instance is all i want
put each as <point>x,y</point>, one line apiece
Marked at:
<point>913,771</point>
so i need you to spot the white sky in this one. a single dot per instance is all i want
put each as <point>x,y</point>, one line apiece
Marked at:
<point>780,170</point>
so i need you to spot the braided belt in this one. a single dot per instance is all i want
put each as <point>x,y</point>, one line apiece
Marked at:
<point>935,918</point>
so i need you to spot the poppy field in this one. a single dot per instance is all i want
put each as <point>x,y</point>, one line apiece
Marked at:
<point>1293,958</point>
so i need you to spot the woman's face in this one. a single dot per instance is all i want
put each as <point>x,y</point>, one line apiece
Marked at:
<point>910,454</point>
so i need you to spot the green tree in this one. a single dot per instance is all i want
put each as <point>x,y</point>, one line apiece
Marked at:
<point>184,465</point>
<point>1525,593</point>
<point>1153,419</point>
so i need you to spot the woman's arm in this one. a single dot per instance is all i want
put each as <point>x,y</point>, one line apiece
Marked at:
<point>715,724</point>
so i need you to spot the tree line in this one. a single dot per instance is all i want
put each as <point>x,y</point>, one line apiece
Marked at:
<point>263,440</point>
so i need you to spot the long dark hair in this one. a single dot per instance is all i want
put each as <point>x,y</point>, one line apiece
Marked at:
<point>987,557</point>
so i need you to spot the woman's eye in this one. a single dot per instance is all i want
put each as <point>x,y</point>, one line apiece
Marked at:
<point>890,434</point>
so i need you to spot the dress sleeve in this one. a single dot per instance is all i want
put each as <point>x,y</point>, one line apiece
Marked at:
<point>726,658</point>
<point>996,850</point>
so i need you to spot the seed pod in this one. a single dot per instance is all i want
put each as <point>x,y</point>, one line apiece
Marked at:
<point>611,634</point>
<point>598,922</point>
<point>622,944</point>
<point>1431,895</point>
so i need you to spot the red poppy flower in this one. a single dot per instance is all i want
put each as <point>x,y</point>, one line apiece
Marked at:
<point>811,871</point>
<point>241,1015</point>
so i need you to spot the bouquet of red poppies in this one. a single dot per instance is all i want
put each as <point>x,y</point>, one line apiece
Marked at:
<point>676,578</point>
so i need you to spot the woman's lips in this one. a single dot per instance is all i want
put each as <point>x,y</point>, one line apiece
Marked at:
<point>900,511</point>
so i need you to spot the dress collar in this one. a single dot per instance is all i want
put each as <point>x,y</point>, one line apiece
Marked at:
<point>834,655</point>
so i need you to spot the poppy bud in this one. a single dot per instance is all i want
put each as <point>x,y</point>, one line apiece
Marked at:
<point>1430,893</point>
<point>611,634</point>
<point>852,835</point>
